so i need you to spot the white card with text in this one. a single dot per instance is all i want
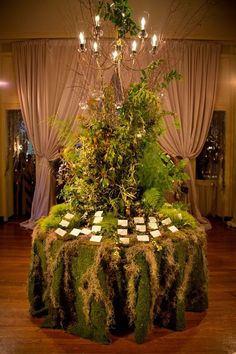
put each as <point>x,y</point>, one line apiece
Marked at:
<point>143,238</point>
<point>75,232</point>
<point>139,220</point>
<point>64,223</point>
<point>69,216</point>
<point>96,228</point>
<point>124,240</point>
<point>122,232</point>
<point>141,228</point>
<point>96,238</point>
<point>166,221</point>
<point>123,223</point>
<point>173,228</point>
<point>155,233</point>
<point>60,232</point>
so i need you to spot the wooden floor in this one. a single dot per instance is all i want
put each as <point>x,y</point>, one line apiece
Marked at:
<point>211,332</point>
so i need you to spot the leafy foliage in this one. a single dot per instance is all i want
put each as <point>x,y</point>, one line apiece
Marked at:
<point>118,158</point>
<point>120,14</point>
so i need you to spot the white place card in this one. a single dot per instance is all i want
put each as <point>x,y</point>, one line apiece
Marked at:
<point>85,231</point>
<point>141,228</point>
<point>96,228</point>
<point>60,232</point>
<point>152,219</point>
<point>139,220</point>
<point>155,233</point>
<point>64,223</point>
<point>96,238</point>
<point>152,225</point>
<point>98,213</point>
<point>97,219</point>
<point>122,232</point>
<point>173,228</point>
<point>69,216</point>
<point>143,238</point>
<point>124,240</point>
<point>123,223</point>
<point>166,221</point>
<point>75,232</point>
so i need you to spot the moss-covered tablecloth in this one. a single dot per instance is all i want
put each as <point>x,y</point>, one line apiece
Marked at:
<point>90,290</point>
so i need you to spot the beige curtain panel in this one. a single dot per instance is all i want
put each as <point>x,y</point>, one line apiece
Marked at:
<point>192,99</point>
<point>47,75</point>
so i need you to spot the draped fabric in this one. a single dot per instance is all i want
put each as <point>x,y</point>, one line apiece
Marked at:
<point>54,82</point>
<point>46,74</point>
<point>192,99</point>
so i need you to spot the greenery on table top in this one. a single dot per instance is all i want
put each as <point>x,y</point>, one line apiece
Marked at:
<point>119,158</point>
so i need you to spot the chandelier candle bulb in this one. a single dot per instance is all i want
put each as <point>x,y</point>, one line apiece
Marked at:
<point>95,47</point>
<point>134,46</point>
<point>115,55</point>
<point>97,21</point>
<point>154,41</point>
<point>82,42</point>
<point>143,22</point>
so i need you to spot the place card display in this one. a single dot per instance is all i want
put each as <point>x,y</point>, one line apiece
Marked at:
<point>64,223</point>
<point>139,220</point>
<point>97,219</point>
<point>152,219</point>
<point>166,221</point>
<point>75,232</point>
<point>124,240</point>
<point>85,231</point>
<point>98,213</point>
<point>122,232</point>
<point>60,232</point>
<point>143,238</point>
<point>69,216</point>
<point>141,228</point>
<point>152,225</point>
<point>155,233</point>
<point>173,228</point>
<point>123,223</point>
<point>96,238</point>
<point>96,228</point>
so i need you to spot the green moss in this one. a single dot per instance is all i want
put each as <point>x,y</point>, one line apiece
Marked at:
<point>59,209</point>
<point>87,289</point>
<point>95,328</point>
<point>142,320</point>
<point>180,218</point>
<point>197,291</point>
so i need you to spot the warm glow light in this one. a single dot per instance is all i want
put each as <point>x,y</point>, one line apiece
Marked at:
<point>81,38</point>
<point>4,83</point>
<point>97,21</point>
<point>143,22</point>
<point>114,55</point>
<point>134,46</point>
<point>95,47</point>
<point>154,40</point>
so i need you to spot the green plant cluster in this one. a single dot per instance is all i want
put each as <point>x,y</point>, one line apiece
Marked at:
<point>120,14</point>
<point>119,158</point>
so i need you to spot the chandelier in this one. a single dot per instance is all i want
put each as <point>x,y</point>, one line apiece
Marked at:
<point>129,41</point>
<point>119,13</point>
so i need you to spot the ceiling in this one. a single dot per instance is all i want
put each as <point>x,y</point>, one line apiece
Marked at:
<point>196,19</point>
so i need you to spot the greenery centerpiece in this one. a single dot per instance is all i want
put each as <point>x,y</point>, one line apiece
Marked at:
<point>115,166</point>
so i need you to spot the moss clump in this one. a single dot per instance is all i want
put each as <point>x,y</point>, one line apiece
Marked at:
<point>180,218</point>
<point>142,320</point>
<point>87,289</point>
